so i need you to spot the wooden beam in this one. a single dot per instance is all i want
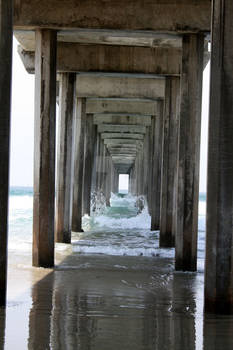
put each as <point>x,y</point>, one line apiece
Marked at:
<point>117,86</point>
<point>124,119</point>
<point>139,129</point>
<point>118,135</point>
<point>72,57</point>
<point>163,15</point>
<point>121,106</point>
<point>105,37</point>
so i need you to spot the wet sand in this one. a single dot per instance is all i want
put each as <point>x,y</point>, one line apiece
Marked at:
<point>108,303</point>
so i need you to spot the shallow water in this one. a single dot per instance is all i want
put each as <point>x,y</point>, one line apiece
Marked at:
<point>130,297</point>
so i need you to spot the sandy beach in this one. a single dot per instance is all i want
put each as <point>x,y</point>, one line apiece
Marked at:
<point>128,298</point>
<point>108,302</point>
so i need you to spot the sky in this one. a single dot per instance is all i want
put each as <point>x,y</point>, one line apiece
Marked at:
<point>22,125</point>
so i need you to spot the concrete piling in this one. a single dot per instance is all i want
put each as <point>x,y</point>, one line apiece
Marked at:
<point>6,13</point>
<point>218,266</point>
<point>157,128</point>
<point>80,121</point>
<point>64,158</point>
<point>44,148</point>
<point>189,152</point>
<point>169,161</point>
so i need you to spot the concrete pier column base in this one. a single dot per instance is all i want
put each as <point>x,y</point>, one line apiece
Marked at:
<point>189,152</point>
<point>157,127</point>
<point>44,148</point>
<point>64,157</point>
<point>169,161</point>
<point>88,163</point>
<point>219,236</point>
<point>6,8</point>
<point>80,120</point>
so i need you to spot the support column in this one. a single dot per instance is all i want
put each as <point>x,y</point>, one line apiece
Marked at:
<point>219,252</point>
<point>107,179</point>
<point>189,152</point>
<point>132,180</point>
<point>6,8</point>
<point>116,181</point>
<point>95,156</point>
<point>64,157</point>
<point>97,162</point>
<point>114,187</point>
<point>169,161</point>
<point>102,167</point>
<point>157,128</point>
<point>44,148</point>
<point>88,163</point>
<point>145,165</point>
<point>80,120</point>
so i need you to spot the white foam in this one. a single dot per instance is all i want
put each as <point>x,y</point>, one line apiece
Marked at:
<point>109,233</point>
<point>20,202</point>
<point>142,221</point>
<point>202,208</point>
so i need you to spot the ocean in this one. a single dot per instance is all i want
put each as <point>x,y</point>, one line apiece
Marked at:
<point>113,288</point>
<point>116,230</point>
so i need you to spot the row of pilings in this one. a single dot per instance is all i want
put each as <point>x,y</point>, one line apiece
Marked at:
<point>173,171</point>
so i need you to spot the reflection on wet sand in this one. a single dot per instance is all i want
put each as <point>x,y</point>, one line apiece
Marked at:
<point>218,332</point>
<point>183,312</point>
<point>40,314</point>
<point>2,327</point>
<point>107,308</point>
<point>106,302</point>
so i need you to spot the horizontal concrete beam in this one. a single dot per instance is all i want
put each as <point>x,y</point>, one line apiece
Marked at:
<point>162,15</point>
<point>122,153</point>
<point>116,86</point>
<point>106,37</point>
<point>123,148</point>
<point>121,106</point>
<point>128,119</point>
<point>123,161</point>
<point>118,135</point>
<point>126,156</point>
<point>72,57</point>
<point>123,142</point>
<point>139,129</point>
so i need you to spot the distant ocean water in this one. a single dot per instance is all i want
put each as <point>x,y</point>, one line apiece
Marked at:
<point>117,231</point>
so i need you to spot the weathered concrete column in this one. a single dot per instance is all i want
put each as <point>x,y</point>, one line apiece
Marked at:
<point>44,148</point>
<point>149,179</point>
<point>95,156</point>
<point>219,252</point>
<point>145,165</point>
<point>102,173</point>
<point>169,161</point>
<point>132,180</point>
<point>80,120</point>
<point>88,163</point>
<point>6,8</point>
<point>157,129</point>
<point>139,173</point>
<point>97,163</point>
<point>189,152</point>
<point>64,158</point>
<point>115,177</point>
<point>107,184</point>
